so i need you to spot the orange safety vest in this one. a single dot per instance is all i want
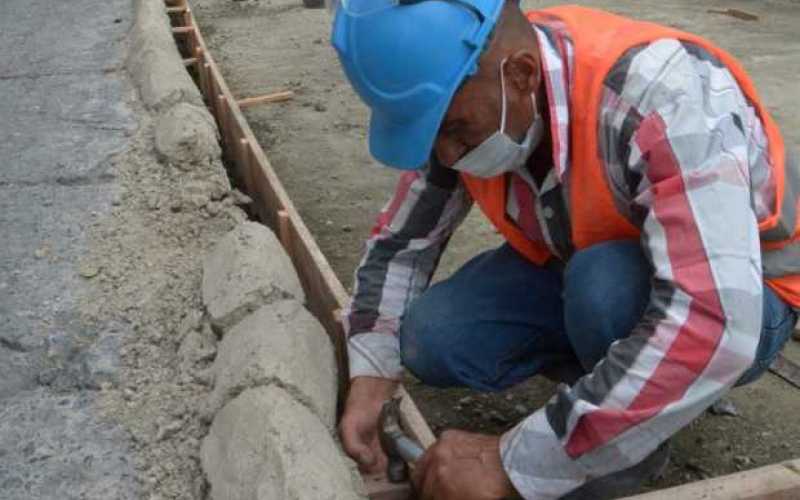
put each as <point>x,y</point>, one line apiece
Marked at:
<point>600,39</point>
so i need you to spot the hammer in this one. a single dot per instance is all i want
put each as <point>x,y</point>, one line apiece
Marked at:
<point>399,448</point>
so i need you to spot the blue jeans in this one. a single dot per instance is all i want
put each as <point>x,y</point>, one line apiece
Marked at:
<point>501,319</point>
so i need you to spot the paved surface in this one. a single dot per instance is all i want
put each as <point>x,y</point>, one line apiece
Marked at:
<point>62,116</point>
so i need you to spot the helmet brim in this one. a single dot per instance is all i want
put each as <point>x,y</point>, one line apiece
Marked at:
<point>406,145</point>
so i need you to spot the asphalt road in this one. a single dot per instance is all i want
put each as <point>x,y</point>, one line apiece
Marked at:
<point>62,115</point>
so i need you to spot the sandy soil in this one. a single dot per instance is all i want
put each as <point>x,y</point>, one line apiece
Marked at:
<point>316,143</point>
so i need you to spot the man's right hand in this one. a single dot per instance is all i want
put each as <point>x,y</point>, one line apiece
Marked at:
<point>359,425</point>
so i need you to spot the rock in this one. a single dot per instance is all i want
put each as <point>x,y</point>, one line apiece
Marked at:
<point>496,417</point>
<point>154,62</point>
<point>319,107</point>
<point>282,344</point>
<point>213,208</point>
<point>197,347</point>
<point>88,270</point>
<point>41,253</point>
<point>240,198</point>
<point>521,409</point>
<point>248,268</point>
<point>186,135</point>
<point>169,430</point>
<point>724,406</point>
<point>264,445</point>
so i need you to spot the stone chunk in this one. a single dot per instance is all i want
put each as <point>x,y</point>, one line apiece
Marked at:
<point>263,445</point>
<point>280,344</point>
<point>154,62</point>
<point>247,269</point>
<point>186,135</point>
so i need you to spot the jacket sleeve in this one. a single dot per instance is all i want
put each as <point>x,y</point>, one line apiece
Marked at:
<point>401,255</point>
<point>686,162</point>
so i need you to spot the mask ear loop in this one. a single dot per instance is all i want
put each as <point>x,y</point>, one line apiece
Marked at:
<point>503,93</point>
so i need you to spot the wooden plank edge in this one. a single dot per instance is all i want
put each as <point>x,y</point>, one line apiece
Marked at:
<point>264,99</point>
<point>772,482</point>
<point>378,487</point>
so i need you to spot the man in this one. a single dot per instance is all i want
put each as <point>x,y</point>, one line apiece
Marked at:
<point>649,212</point>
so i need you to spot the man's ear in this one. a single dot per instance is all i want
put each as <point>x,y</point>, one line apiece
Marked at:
<point>522,71</point>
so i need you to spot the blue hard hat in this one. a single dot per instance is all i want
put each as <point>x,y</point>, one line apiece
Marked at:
<point>406,59</point>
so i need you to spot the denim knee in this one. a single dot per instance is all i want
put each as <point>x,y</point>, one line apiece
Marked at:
<point>606,290</point>
<point>777,327</point>
<point>424,345</point>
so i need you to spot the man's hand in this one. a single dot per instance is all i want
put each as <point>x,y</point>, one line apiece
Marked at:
<point>359,425</point>
<point>463,466</point>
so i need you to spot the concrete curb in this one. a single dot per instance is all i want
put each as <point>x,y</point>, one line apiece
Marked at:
<point>265,446</point>
<point>154,62</point>
<point>246,270</point>
<point>280,344</point>
<point>274,372</point>
<point>185,131</point>
<point>274,380</point>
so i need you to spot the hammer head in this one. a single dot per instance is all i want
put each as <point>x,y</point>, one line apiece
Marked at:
<point>389,431</point>
<point>389,426</point>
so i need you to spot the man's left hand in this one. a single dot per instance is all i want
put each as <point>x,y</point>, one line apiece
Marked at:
<point>462,466</point>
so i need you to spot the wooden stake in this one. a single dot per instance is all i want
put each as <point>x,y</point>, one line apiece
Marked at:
<point>201,74</point>
<point>183,30</point>
<point>283,231</point>
<point>263,99</point>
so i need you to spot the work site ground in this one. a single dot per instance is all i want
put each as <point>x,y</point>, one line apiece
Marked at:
<point>317,144</point>
<point>114,205</point>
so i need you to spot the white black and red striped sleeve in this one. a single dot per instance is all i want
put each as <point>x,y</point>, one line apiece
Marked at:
<point>679,140</point>
<point>400,257</point>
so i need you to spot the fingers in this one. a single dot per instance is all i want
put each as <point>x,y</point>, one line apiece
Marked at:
<point>429,491</point>
<point>355,445</point>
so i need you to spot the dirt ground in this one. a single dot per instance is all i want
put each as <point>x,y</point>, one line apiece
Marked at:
<point>145,266</point>
<point>317,144</point>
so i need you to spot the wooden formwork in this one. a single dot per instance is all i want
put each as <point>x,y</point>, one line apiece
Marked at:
<point>326,297</point>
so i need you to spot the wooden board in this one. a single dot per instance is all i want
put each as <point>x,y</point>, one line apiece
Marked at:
<point>773,482</point>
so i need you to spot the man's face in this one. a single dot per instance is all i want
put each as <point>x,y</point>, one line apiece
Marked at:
<point>473,115</point>
<point>475,111</point>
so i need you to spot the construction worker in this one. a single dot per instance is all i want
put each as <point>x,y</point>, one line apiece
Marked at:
<point>650,217</point>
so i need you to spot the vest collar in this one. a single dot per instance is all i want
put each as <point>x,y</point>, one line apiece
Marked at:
<point>556,51</point>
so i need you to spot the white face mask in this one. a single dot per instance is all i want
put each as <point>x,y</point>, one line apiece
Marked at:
<point>500,153</point>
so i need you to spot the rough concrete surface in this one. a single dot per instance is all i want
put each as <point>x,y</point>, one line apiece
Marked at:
<point>317,144</point>
<point>186,135</point>
<point>264,445</point>
<point>247,269</point>
<point>280,344</point>
<point>64,116</point>
<point>154,61</point>
<point>101,259</point>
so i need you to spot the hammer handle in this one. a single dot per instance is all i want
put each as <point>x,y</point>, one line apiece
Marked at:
<point>408,450</point>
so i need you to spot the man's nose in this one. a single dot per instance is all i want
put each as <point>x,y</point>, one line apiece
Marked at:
<point>448,151</point>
